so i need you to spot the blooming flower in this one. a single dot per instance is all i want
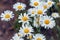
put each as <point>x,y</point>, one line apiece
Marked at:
<point>25,30</point>
<point>55,15</point>
<point>35,3</point>
<point>19,6</point>
<point>40,11</point>
<point>50,3</point>
<point>47,22</point>
<point>7,15</point>
<point>45,6</point>
<point>32,11</point>
<point>23,18</point>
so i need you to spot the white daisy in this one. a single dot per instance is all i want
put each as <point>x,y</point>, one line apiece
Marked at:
<point>45,6</point>
<point>17,37</point>
<point>55,15</point>
<point>19,6</point>
<point>50,3</point>
<point>47,22</point>
<point>7,15</point>
<point>23,18</point>
<point>27,29</point>
<point>32,11</point>
<point>40,11</point>
<point>39,37</point>
<point>35,3</point>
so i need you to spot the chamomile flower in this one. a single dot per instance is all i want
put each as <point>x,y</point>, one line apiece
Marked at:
<point>55,15</point>
<point>39,37</point>
<point>35,3</point>
<point>19,6</point>
<point>7,15</point>
<point>32,11</point>
<point>45,6</point>
<point>47,22</point>
<point>17,37</point>
<point>40,11</point>
<point>50,3</point>
<point>23,18</point>
<point>26,30</point>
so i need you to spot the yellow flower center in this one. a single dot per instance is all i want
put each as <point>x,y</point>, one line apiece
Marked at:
<point>32,12</point>
<point>36,3</point>
<point>26,30</point>
<point>40,12</point>
<point>46,21</point>
<point>7,15</point>
<point>45,6</point>
<point>39,39</point>
<point>19,7</point>
<point>25,18</point>
<point>49,3</point>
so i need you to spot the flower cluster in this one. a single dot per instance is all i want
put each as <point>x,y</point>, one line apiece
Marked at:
<point>34,17</point>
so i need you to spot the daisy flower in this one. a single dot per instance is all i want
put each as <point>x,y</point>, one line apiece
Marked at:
<point>55,15</point>
<point>35,3</point>
<point>32,11</point>
<point>40,11</point>
<point>47,22</point>
<point>23,18</point>
<point>39,37</point>
<point>45,6</point>
<point>19,6</point>
<point>17,37</point>
<point>50,3</point>
<point>25,30</point>
<point>7,15</point>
